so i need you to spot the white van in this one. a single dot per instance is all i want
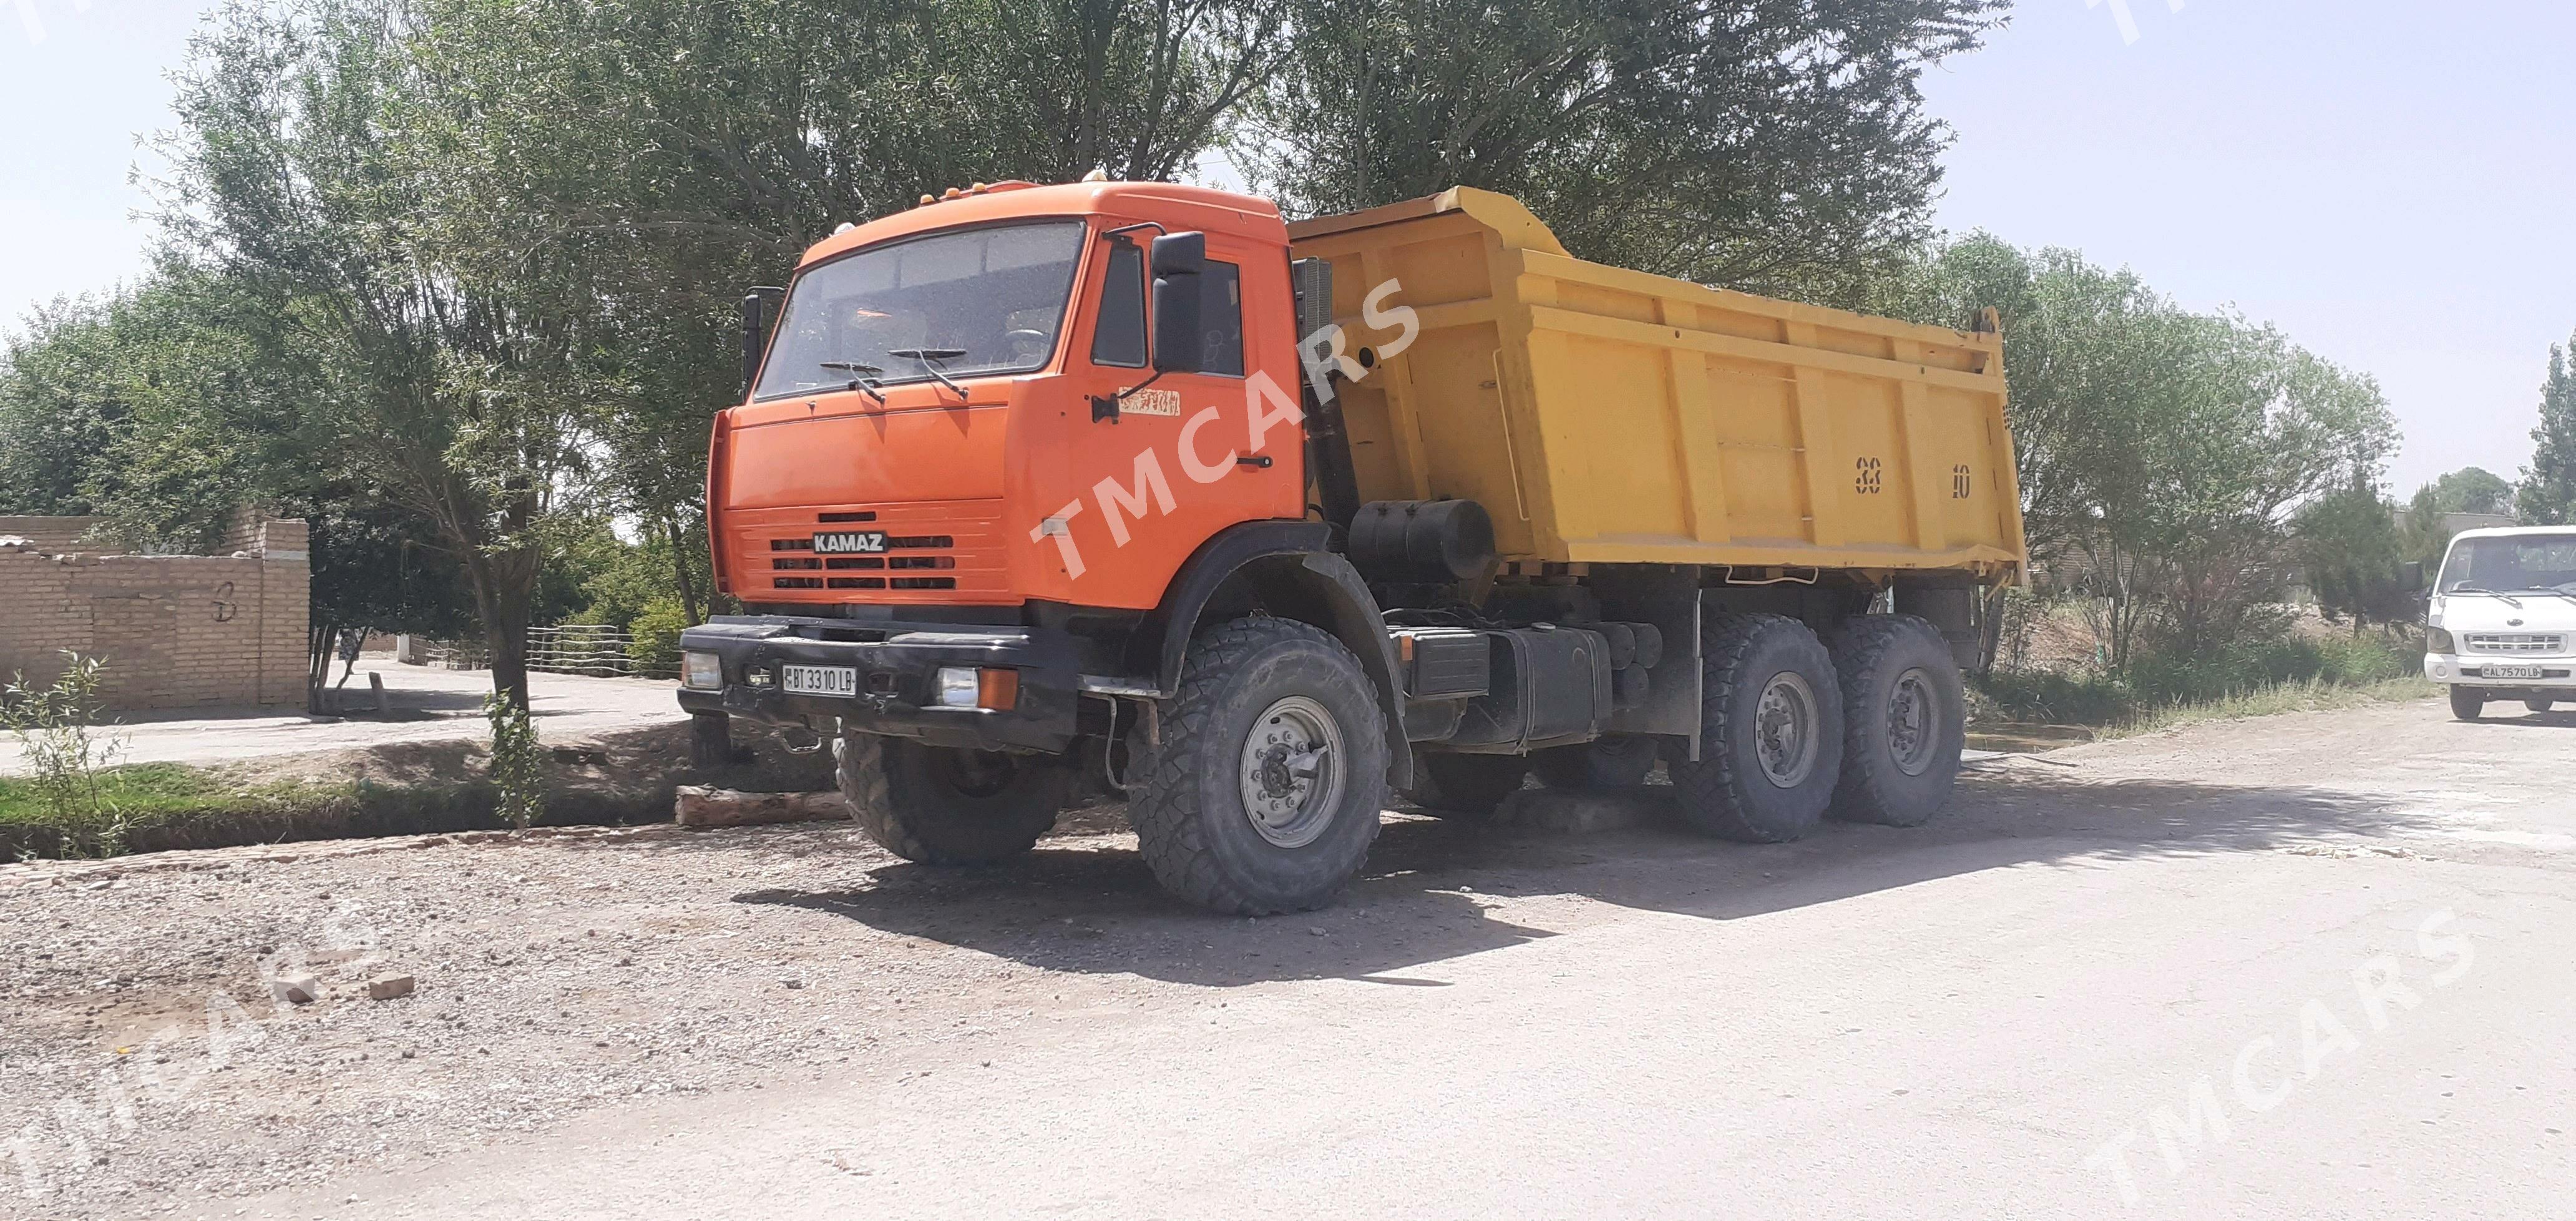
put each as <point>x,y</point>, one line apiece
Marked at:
<point>2502,616</point>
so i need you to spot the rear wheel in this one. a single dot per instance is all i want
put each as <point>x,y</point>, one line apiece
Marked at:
<point>2468,703</point>
<point>1905,714</point>
<point>943,806</point>
<point>1264,793</point>
<point>1611,763</point>
<point>1467,784</point>
<point>2537,704</point>
<point>1771,731</point>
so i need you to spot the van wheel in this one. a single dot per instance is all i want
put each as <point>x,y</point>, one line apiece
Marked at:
<point>2539,705</point>
<point>1610,763</point>
<point>2468,703</point>
<point>1905,715</point>
<point>1771,731</point>
<point>942,806</point>
<point>1264,794</point>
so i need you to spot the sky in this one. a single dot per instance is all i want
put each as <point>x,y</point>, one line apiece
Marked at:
<point>2392,182</point>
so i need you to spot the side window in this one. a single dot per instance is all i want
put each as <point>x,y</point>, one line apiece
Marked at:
<point>1119,339</point>
<point>1221,316</point>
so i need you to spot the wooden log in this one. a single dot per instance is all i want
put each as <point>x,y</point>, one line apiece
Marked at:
<point>704,806</point>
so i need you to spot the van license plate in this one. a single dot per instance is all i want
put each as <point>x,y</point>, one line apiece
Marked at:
<point>2510,672</point>
<point>819,680</point>
<point>849,542</point>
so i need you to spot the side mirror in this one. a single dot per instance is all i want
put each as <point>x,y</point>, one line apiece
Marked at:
<point>1180,345</point>
<point>2411,574</point>
<point>755,332</point>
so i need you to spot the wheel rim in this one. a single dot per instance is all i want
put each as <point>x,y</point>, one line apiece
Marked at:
<point>1292,771</point>
<point>1913,722</point>
<point>976,773</point>
<point>1785,730</point>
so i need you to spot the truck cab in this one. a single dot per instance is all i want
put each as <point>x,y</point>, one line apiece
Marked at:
<point>1137,489</point>
<point>2501,619</point>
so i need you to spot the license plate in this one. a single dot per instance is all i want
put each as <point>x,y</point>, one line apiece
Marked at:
<point>819,680</point>
<point>849,542</point>
<point>2510,672</point>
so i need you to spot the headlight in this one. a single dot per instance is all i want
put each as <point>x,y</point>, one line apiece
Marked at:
<point>2439,641</point>
<point>956,687</point>
<point>701,671</point>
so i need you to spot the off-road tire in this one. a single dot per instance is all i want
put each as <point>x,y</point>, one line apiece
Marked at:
<point>2468,703</point>
<point>1871,654</point>
<point>906,797</point>
<point>2539,705</point>
<point>1727,793</point>
<point>1189,809</point>
<point>1474,785</point>
<point>1611,763</point>
<point>710,740</point>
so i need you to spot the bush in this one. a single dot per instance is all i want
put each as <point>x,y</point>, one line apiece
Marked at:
<point>2172,676</point>
<point>654,643</point>
<point>57,726</point>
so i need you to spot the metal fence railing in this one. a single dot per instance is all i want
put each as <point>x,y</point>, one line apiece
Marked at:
<point>593,650</point>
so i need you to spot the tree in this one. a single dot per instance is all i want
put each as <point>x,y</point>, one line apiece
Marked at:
<point>2548,496</point>
<point>2351,552</point>
<point>2163,454</point>
<point>2472,490</point>
<point>463,395</point>
<point>1766,144</point>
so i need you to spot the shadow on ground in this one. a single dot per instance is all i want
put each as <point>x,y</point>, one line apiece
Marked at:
<point>1087,903</point>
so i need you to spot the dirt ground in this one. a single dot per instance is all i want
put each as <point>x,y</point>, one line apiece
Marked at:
<point>787,1022</point>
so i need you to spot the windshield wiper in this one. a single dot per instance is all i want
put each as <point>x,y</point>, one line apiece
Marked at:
<point>861,376</point>
<point>2468,587</point>
<point>928,357</point>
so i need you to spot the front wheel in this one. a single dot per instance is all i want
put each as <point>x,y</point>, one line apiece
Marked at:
<point>1264,791</point>
<point>1771,731</point>
<point>2536,704</point>
<point>2468,703</point>
<point>943,806</point>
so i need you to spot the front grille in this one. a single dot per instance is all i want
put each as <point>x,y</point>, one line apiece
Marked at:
<point>933,552</point>
<point>2516,643</point>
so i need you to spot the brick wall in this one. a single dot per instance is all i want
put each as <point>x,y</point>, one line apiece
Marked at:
<point>176,631</point>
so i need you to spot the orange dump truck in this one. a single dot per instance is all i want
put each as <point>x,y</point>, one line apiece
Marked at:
<point>1135,487</point>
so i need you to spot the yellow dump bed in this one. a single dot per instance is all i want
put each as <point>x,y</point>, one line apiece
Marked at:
<point>1610,416</point>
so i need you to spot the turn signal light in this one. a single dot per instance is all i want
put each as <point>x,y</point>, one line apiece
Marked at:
<point>995,690</point>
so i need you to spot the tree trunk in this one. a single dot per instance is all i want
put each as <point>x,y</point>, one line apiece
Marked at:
<point>680,570</point>
<point>317,668</point>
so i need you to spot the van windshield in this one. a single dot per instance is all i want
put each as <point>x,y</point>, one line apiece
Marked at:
<point>974,303</point>
<point>2534,563</point>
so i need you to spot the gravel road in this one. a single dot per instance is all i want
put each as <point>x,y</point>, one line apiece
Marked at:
<point>786,1022</point>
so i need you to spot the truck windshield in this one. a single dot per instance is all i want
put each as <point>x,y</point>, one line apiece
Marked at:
<point>2535,563</point>
<point>977,302</point>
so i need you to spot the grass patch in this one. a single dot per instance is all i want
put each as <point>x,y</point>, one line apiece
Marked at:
<point>162,806</point>
<point>2310,695</point>
<point>2283,675</point>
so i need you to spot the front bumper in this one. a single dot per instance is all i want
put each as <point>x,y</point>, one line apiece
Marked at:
<point>2470,670</point>
<point>897,666</point>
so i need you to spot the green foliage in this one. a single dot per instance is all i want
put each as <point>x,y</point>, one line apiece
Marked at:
<point>2164,455</point>
<point>2180,678</point>
<point>2548,496</point>
<point>518,764</point>
<point>2349,547</point>
<point>655,646</point>
<point>1774,145</point>
<point>57,728</point>
<point>2472,489</point>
